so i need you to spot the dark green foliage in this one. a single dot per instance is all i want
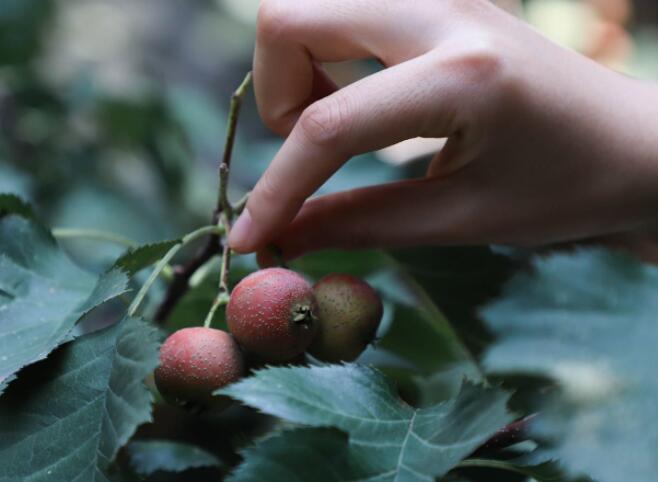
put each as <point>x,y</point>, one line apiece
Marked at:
<point>67,417</point>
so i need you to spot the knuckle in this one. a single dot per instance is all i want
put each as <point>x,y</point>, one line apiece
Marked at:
<point>274,19</point>
<point>325,122</point>
<point>483,65</point>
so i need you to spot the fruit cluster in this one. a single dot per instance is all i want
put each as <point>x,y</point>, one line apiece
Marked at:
<point>274,316</point>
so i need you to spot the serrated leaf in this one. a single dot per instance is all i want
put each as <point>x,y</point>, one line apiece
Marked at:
<point>66,417</point>
<point>150,456</point>
<point>444,383</point>
<point>390,439</point>
<point>320,455</point>
<point>589,321</point>
<point>42,294</point>
<point>136,259</point>
<point>308,454</point>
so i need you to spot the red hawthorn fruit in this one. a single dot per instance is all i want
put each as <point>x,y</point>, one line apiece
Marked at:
<point>194,362</point>
<point>349,312</point>
<point>272,314</point>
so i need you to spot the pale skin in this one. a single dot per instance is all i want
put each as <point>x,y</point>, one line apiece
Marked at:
<point>544,144</point>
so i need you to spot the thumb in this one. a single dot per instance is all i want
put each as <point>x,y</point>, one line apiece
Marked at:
<point>407,213</point>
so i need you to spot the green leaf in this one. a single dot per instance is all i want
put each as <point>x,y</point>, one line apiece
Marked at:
<point>458,281</point>
<point>320,455</point>
<point>357,263</point>
<point>150,456</point>
<point>588,321</point>
<point>391,439</point>
<point>66,417</point>
<point>445,382</point>
<point>421,335</point>
<point>426,341</point>
<point>136,259</point>
<point>42,294</point>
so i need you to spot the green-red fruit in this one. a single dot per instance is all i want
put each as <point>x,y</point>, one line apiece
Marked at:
<point>349,313</point>
<point>194,362</point>
<point>272,314</point>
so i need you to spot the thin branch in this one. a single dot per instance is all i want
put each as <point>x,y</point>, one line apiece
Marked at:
<point>182,274</point>
<point>239,206</point>
<point>188,238</point>
<point>224,206</point>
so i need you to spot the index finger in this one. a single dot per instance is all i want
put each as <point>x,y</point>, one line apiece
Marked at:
<point>294,37</point>
<point>374,112</point>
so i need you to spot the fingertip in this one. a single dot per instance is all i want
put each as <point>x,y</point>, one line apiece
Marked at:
<point>242,237</point>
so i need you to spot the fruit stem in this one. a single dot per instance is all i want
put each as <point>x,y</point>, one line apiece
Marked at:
<point>164,261</point>
<point>220,300</point>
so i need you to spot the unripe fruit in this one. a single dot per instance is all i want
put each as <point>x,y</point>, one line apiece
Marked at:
<point>194,362</point>
<point>349,313</point>
<point>272,314</point>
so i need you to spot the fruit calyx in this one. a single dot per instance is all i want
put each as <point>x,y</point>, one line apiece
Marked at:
<point>303,315</point>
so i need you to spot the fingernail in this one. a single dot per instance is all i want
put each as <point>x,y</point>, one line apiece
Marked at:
<point>241,232</point>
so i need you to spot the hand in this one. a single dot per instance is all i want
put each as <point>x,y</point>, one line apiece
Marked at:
<point>544,145</point>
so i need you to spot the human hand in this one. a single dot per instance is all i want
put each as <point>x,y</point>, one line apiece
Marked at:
<point>544,145</point>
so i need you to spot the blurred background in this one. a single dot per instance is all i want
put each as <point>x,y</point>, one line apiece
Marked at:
<point>112,112</point>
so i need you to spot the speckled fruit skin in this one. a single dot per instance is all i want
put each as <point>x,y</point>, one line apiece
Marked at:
<point>194,362</point>
<point>349,313</point>
<point>272,314</point>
